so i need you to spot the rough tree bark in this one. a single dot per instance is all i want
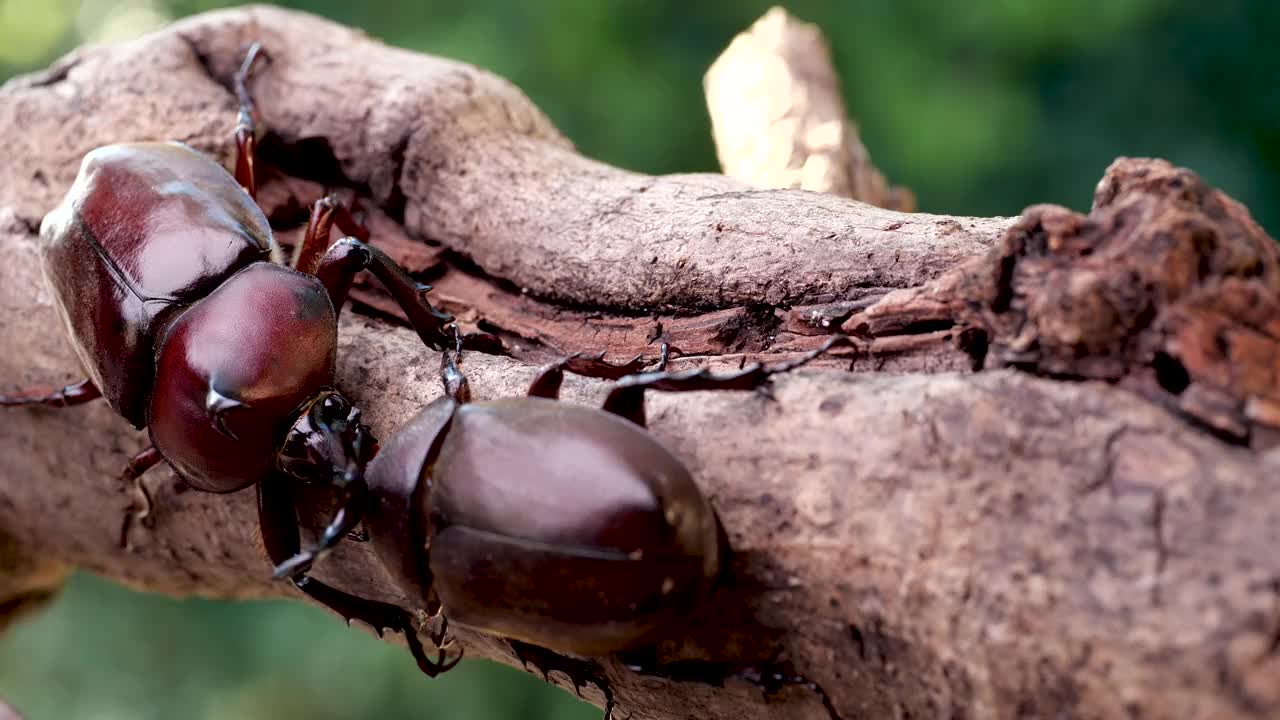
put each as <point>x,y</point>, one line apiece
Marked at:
<point>1041,492</point>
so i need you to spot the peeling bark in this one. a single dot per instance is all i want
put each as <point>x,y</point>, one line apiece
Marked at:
<point>1167,286</point>
<point>940,543</point>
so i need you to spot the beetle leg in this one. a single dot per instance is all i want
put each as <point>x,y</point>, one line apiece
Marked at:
<point>455,383</point>
<point>381,617</point>
<point>547,383</point>
<point>347,257</point>
<point>324,214</point>
<point>138,466</point>
<point>246,126</point>
<point>627,396</point>
<point>343,522</point>
<point>74,394</point>
<point>438,638</point>
<point>579,672</point>
<point>279,522</point>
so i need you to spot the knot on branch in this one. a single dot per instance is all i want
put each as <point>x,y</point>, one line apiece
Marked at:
<point>1167,285</point>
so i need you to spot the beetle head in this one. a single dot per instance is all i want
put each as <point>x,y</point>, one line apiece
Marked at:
<point>328,444</point>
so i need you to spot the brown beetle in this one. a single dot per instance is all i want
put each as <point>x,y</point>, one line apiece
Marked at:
<point>564,527</point>
<point>168,280</point>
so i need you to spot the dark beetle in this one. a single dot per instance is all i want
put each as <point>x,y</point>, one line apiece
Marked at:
<point>561,526</point>
<point>169,283</point>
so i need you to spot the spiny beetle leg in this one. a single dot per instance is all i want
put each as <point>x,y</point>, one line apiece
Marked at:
<point>315,241</point>
<point>579,672</point>
<point>347,257</point>
<point>343,522</point>
<point>627,396</point>
<point>246,123</point>
<point>381,617</point>
<point>771,678</point>
<point>279,522</point>
<point>138,466</point>
<point>547,383</point>
<point>74,394</point>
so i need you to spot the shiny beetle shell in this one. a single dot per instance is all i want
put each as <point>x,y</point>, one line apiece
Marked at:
<point>261,344</point>
<point>559,525</point>
<point>145,229</point>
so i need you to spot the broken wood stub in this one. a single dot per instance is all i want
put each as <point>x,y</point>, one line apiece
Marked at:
<point>779,119</point>
<point>1167,286</point>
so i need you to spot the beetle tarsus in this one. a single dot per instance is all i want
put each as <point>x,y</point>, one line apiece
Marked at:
<point>626,399</point>
<point>138,466</point>
<point>663,356</point>
<point>77,393</point>
<point>772,678</point>
<point>455,383</point>
<point>246,122</point>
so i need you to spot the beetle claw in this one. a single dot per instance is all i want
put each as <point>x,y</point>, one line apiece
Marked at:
<point>439,637</point>
<point>295,566</point>
<point>765,391</point>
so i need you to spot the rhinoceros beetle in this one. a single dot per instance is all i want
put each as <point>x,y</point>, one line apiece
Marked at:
<point>172,290</point>
<point>553,525</point>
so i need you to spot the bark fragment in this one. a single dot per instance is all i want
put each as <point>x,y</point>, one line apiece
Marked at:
<point>1168,286</point>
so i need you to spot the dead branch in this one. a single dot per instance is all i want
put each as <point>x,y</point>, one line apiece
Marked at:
<point>927,545</point>
<point>779,120</point>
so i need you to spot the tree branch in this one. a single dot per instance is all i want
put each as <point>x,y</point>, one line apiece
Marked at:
<point>987,545</point>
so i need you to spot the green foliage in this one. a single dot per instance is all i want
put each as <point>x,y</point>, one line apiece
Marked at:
<point>981,107</point>
<point>106,653</point>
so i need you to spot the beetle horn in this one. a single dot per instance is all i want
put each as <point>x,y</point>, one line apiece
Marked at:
<point>216,406</point>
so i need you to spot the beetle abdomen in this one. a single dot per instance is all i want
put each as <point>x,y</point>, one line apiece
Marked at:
<point>232,371</point>
<point>550,472</point>
<point>564,526</point>
<point>145,228</point>
<point>566,599</point>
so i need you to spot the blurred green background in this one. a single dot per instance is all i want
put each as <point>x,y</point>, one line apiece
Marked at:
<point>982,107</point>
